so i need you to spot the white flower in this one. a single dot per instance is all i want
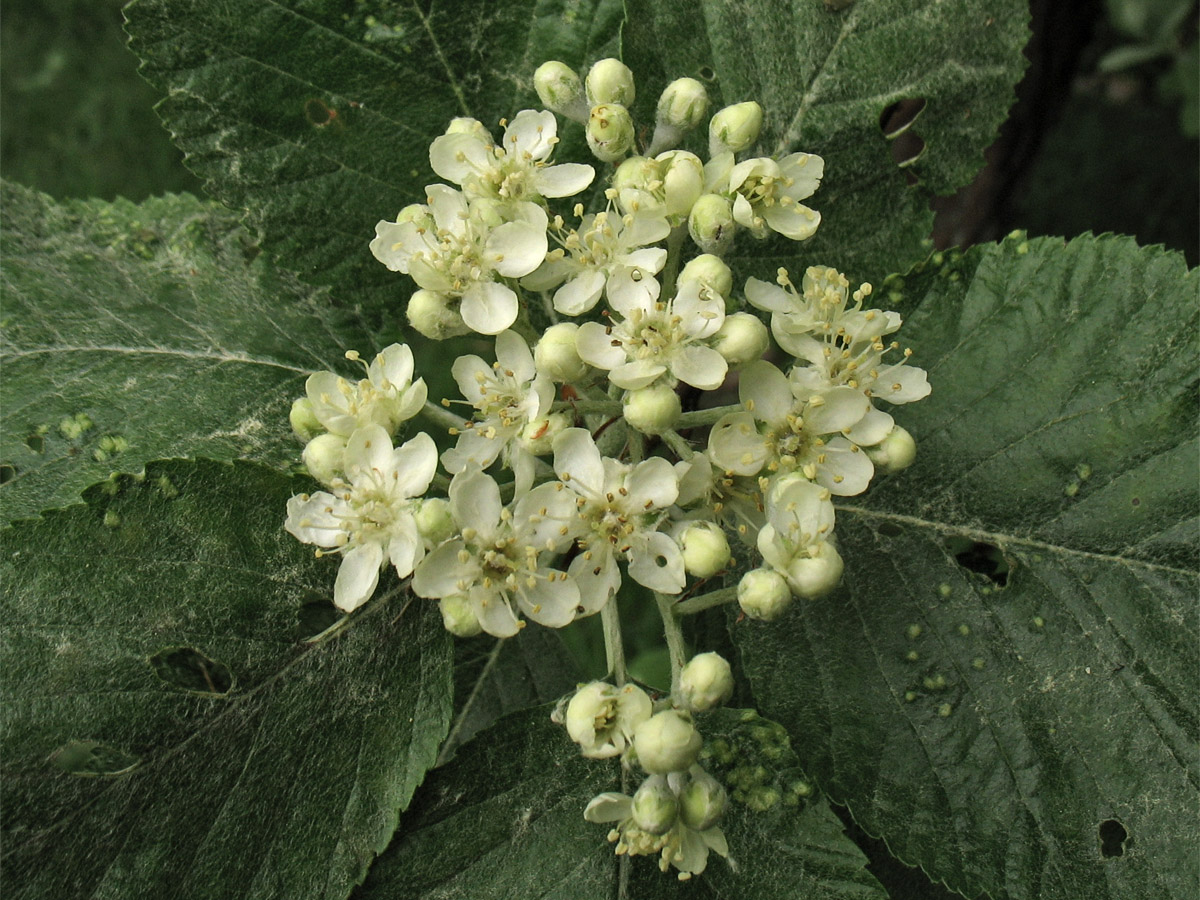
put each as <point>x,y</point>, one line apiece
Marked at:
<point>607,254</point>
<point>786,428</point>
<point>508,396</point>
<point>653,339</point>
<point>494,563</point>
<point>795,540</point>
<point>368,518</point>
<point>387,396</point>
<point>514,170</point>
<point>467,247</point>
<point>601,719</point>
<point>766,193</point>
<point>619,510</point>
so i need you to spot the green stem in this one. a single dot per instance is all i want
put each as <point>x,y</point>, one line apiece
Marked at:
<point>681,447</point>
<point>439,416</point>
<point>706,601</point>
<point>676,648</point>
<point>706,416</point>
<point>614,649</point>
<point>588,407</point>
<point>637,446</point>
<point>674,256</point>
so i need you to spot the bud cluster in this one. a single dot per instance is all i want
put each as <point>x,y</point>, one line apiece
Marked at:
<point>575,466</point>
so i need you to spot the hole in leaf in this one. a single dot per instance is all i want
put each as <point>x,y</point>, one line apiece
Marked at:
<point>35,442</point>
<point>192,671</point>
<point>898,118</point>
<point>91,758</point>
<point>314,617</point>
<point>7,472</point>
<point>1113,838</point>
<point>890,529</point>
<point>907,149</point>
<point>707,73</point>
<point>982,558</point>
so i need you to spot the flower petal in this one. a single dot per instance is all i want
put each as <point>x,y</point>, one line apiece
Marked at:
<point>652,484</point>
<point>656,562</point>
<point>494,612</point>
<point>357,576</point>
<point>794,221</point>
<point>576,456</point>
<point>440,574</point>
<point>475,503</point>
<point>765,390</point>
<point>516,248</point>
<point>564,180</point>
<point>549,602</point>
<point>594,344</point>
<point>636,374</point>
<point>581,293</point>
<point>598,578</point>
<point>458,157</point>
<point>488,307</point>
<point>701,367</point>
<point>412,465</point>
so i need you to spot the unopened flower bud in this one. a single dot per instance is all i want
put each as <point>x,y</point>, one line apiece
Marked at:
<point>667,742</point>
<point>814,576</point>
<point>610,81</point>
<point>609,132</point>
<point>655,808</point>
<point>418,214</point>
<point>560,90</point>
<point>895,452</point>
<point>702,800</point>
<point>711,272</point>
<point>324,457</point>
<point>556,355</point>
<point>682,175</point>
<point>764,594</point>
<point>538,437</point>
<point>742,339</point>
<point>467,125</point>
<point>705,683</point>
<point>711,224</point>
<point>305,424</point>
<point>636,173</point>
<point>705,548</point>
<point>734,128</point>
<point>430,314</point>
<point>653,409</point>
<point>682,104</point>
<point>434,521</point>
<point>458,616</point>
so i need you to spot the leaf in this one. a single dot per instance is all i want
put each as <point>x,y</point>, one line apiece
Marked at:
<point>137,332</point>
<point>505,819</point>
<point>1005,689</point>
<point>825,79</point>
<point>494,676</point>
<point>316,115</point>
<point>166,732</point>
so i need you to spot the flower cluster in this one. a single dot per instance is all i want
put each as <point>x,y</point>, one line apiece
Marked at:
<point>589,455</point>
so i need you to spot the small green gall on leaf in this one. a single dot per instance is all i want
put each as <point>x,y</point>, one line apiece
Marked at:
<point>92,759</point>
<point>190,670</point>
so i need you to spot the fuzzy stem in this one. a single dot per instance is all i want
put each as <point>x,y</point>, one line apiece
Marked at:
<point>681,447</point>
<point>674,256</point>
<point>706,416</point>
<point>614,649</point>
<point>588,407</point>
<point>676,648</point>
<point>443,417</point>
<point>706,601</point>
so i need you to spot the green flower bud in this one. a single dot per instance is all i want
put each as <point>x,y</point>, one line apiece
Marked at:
<point>702,801</point>
<point>305,424</point>
<point>560,90</point>
<point>682,176</point>
<point>895,452</point>
<point>682,104</point>
<point>555,354</point>
<point>743,338</point>
<point>667,742</point>
<point>814,576</point>
<point>538,437</point>
<point>458,616</point>
<point>764,594</point>
<point>655,808</point>
<point>610,132</point>
<point>711,272</point>
<point>434,521</point>
<point>467,125</point>
<point>610,81</point>
<point>323,457</point>
<point>429,313</point>
<point>711,224</point>
<point>734,128</point>
<point>418,214</point>
<point>705,683</point>
<point>653,409</point>
<point>704,546</point>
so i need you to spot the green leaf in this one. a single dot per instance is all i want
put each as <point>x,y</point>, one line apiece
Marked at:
<point>1005,689</point>
<point>494,676</point>
<point>505,819</point>
<point>132,333</point>
<point>167,730</point>
<point>316,115</point>
<point>825,79</point>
